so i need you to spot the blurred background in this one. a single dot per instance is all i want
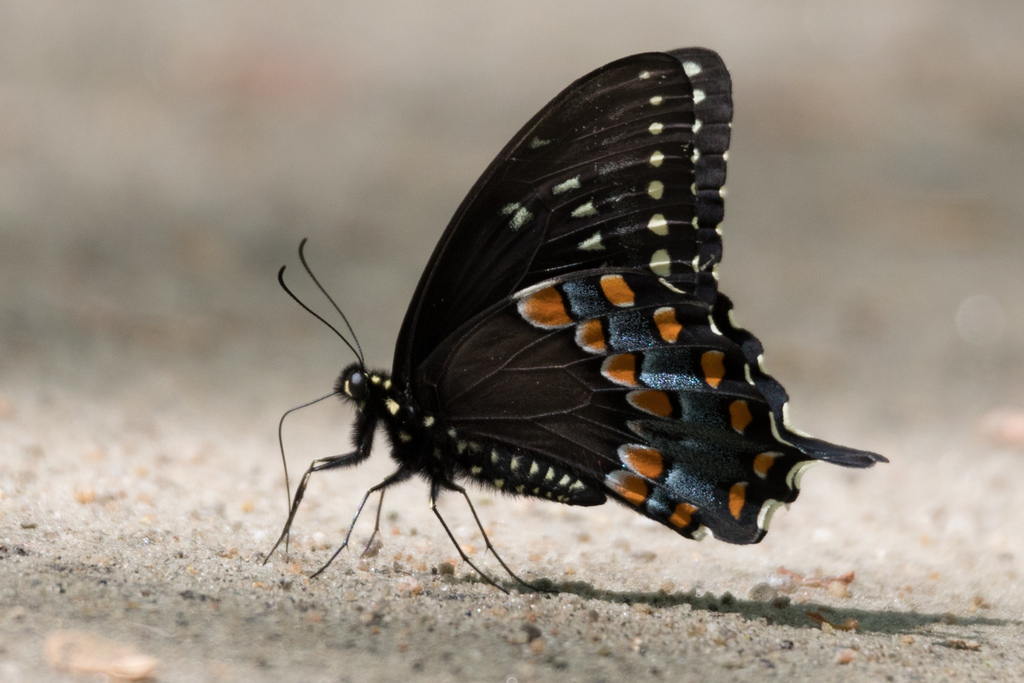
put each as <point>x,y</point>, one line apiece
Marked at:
<point>158,162</point>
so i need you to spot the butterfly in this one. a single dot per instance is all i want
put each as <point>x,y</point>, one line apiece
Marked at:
<point>567,340</point>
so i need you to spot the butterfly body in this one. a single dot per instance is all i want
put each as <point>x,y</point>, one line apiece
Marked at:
<point>567,339</point>
<point>421,444</point>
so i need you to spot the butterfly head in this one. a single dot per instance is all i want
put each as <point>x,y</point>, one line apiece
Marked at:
<point>359,385</point>
<point>355,381</point>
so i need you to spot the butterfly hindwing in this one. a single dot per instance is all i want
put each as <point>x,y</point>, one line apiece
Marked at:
<point>627,383</point>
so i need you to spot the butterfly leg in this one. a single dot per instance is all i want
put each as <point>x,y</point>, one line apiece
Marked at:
<point>435,490</point>
<point>318,465</point>
<point>395,477</point>
<point>487,542</point>
<point>376,524</point>
<point>462,553</point>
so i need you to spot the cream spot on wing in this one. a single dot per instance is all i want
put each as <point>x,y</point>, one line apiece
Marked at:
<point>698,96</point>
<point>592,243</point>
<point>584,210</point>
<point>392,406</point>
<point>656,189</point>
<point>691,69</point>
<point>658,225</point>
<point>697,126</point>
<point>521,217</point>
<point>661,263</point>
<point>537,142</point>
<point>656,100</point>
<point>570,184</point>
<point>656,128</point>
<point>656,159</point>
<point>644,75</point>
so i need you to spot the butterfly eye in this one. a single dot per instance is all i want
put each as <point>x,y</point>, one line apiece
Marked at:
<point>355,386</point>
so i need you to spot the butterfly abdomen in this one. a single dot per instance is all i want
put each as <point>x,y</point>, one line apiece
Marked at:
<point>518,473</point>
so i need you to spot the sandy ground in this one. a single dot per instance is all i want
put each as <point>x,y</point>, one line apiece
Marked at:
<point>158,164</point>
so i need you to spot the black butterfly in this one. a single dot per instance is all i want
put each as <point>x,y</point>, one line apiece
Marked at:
<point>567,339</point>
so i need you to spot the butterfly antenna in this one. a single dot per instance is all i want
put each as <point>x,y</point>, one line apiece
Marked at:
<point>309,271</point>
<point>280,280</point>
<point>280,443</point>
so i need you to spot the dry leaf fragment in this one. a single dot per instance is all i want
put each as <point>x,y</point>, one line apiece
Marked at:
<point>848,625</point>
<point>817,581</point>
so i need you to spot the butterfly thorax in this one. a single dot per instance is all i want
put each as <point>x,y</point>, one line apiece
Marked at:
<point>380,400</point>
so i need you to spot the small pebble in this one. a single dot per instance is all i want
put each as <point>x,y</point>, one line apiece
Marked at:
<point>839,589</point>
<point>763,592</point>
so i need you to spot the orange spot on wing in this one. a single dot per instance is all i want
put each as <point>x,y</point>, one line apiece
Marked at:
<point>651,401</point>
<point>616,290</point>
<point>739,412</point>
<point>737,497</point>
<point>621,369</point>
<point>629,486</point>
<point>714,369</point>
<point>668,327</point>
<point>682,515</point>
<point>645,461</point>
<point>762,463</point>
<point>545,308</point>
<point>590,336</point>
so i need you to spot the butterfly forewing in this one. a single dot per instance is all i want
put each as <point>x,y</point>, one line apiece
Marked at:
<point>623,168</point>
